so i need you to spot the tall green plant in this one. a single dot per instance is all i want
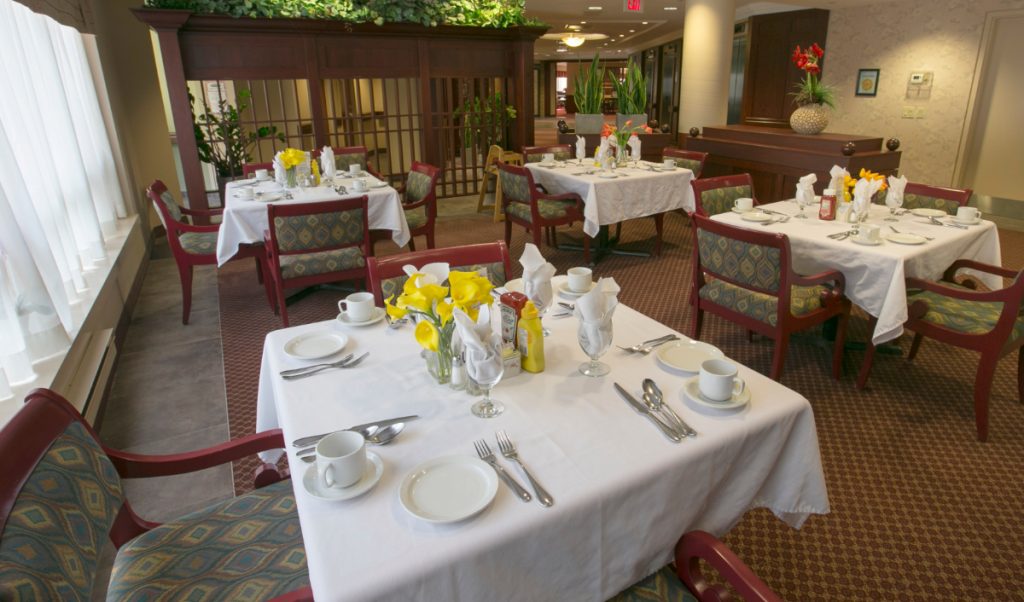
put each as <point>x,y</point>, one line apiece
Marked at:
<point>589,85</point>
<point>484,121</point>
<point>631,91</point>
<point>220,137</point>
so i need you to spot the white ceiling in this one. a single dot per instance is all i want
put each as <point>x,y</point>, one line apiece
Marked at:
<point>630,32</point>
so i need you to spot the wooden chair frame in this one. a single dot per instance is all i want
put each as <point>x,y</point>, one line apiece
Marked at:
<point>993,345</point>
<point>705,184</point>
<point>695,546</point>
<point>274,253</point>
<point>429,202</point>
<point>958,195</point>
<point>833,302</point>
<point>540,150</point>
<point>383,268</point>
<point>679,153</point>
<point>573,214</point>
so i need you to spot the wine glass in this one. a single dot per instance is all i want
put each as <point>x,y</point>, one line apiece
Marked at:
<point>595,338</point>
<point>893,201</point>
<point>486,372</point>
<point>541,296</point>
<point>801,202</point>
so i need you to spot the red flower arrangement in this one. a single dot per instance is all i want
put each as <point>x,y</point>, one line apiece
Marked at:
<point>811,90</point>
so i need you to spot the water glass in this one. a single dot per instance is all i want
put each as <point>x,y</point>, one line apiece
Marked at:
<point>595,338</point>
<point>893,201</point>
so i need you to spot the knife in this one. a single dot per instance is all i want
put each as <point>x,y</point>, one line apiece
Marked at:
<point>307,441</point>
<point>642,409</point>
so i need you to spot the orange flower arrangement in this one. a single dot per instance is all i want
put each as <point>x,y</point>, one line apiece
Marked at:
<point>622,136</point>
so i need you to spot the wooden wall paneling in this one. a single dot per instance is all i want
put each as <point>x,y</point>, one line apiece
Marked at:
<point>451,58</point>
<point>317,103</point>
<point>362,56</point>
<point>210,56</point>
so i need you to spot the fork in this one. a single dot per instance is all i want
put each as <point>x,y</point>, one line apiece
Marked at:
<point>508,449</point>
<point>921,235</point>
<point>647,346</point>
<point>315,370</point>
<point>484,451</point>
<point>938,222</point>
<point>340,362</point>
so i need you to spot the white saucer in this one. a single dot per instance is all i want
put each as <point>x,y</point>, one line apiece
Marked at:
<point>565,291</point>
<point>378,315</point>
<point>740,211</point>
<point>686,355</point>
<point>267,197</point>
<point>546,164</point>
<point>866,243</point>
<point>973,222</point>
<point>757,216</point>
<point>925,212</point>
<point>378,185</point>
<point>607,176</point>
<point>691,391</point>
<point>374,468</point>
<point>906,239</point>
<point>315,345</point>
<point>448,489</point>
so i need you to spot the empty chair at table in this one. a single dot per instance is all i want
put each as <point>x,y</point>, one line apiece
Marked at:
<point>718,195</point>
<point>249,169</point>
<point>534,210</point>
<point>989,322</point>
<point>747,277</point>
<point>923,196</point>
<point>692,160</point>
<point>316,243</point>
<point>387,276</point>
<point>192,244</point>
<point>63,498</point>
<point>419,201</point>
<point>346,156</point>
<point>535,154</point>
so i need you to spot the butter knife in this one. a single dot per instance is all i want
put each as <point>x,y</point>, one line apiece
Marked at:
<point>307,441</point>
<point>642,409</point>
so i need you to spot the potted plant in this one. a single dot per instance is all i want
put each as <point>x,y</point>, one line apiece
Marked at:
<point>811,96</point>
<point>484,122</point>
<point>589,94</point>
<point>221,139</point>
<point>631,93</point>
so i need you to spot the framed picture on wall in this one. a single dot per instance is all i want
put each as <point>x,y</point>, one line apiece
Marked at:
<point>867,82</point>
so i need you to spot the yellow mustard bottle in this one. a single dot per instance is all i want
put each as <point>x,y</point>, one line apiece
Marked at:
<point>315,170</point>
<point>531,339</point>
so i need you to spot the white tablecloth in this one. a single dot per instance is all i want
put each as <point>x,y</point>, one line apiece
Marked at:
<point>623,493</point>
<point>875,274</point>
<point>244,222</point>
<point>634,193</point>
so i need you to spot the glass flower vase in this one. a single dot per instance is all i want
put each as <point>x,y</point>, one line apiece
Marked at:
<point>439,363</point>
<point>291,177</point>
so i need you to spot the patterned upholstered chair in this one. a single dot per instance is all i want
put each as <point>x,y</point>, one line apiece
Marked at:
<point>747,277</point>
<point>249,169</point>
<point>989,322</point>
<point>344,156</point>
<point>923,196</point>
<point>420,201</point>
<point>534,210</point>
<point>692,160</point>
<point>191,244</point>
<point>316,243</point>
<point>61,497</point>
<point>387,277</point>
<point>535,154</point>
<point>685,581</point>
<point>717,195</point>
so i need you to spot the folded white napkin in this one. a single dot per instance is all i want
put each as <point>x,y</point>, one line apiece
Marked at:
<point>537,273</point>
<point>634,147</point>
<point>279,174</point>
<point>805,189</point>
<point>838,180</point>
<point>602,151</point>
<point>327,162</point>
<point>594,311</point>
<point>863,190</point>
<point>896,188</point>
<point>484,362</point>
<point>581,148</point>
<point>433,273</point>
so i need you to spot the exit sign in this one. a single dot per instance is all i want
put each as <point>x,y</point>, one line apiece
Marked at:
<point>633,6</point>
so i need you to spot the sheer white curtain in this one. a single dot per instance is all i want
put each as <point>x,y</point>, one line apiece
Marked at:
<point>59,190</point>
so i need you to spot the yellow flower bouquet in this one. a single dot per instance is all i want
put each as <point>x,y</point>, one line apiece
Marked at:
<point>291,158</point>
<point>865,174</point>
<point>431,303</point>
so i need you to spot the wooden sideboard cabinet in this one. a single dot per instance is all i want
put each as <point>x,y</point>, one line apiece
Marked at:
<point>777,158</point>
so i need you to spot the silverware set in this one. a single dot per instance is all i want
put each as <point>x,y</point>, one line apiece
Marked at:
<point>654,408</point>
<point>893,228</point>
<point>842,235</point>
<point>937,222</point>
<point>781,217</point>
<point>508,449</point>
<point>345,362</point>
<point>648,346</point>
<point>380,424</point>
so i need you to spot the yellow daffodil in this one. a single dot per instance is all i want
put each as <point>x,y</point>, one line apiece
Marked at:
<point>292,157</point>
<point>469,289</point>
<point>395,312</point>
<point>444,311</point>
<point>427,335</point>
<point>421,297</point>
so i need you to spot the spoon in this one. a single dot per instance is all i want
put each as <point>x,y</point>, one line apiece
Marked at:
<point>651,390</point>
<point>372,434</point>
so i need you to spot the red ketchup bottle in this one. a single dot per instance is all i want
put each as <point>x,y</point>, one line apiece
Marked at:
<point>827,211</point>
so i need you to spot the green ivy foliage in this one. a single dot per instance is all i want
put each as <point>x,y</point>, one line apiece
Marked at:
<point>430,13</point>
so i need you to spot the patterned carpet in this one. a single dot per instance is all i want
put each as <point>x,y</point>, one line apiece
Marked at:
<point>920,509</point>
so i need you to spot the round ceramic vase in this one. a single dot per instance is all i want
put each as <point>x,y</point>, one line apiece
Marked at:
<point>809,119</point>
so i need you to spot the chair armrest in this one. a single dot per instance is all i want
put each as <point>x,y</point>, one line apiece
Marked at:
<point>420,203</point>
<point>1002,294</point>
<point>373,172</point>
<point>976,265</point>
<point>699,545</point>
<point>565,196</point>
<point>183,227</point>
<point>131,465</point>
<point>821,278</point>
<point>300,595</point>
<point>201,212</point>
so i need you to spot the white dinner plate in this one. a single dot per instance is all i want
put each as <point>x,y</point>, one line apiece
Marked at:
<point>924,212</point>
<point>866,243</point>
<point>315,345</point>
<point>907,239</point>
<point>691,391</point>
<point>565,291</point>
<point>687,355</point>
<point>546,164</point>
<point>379,185</point>
<point>268,197</point>
<point>377,316</point>
<point>448,489</point>
<point>965,222</point>
<point>607,176</point>
<point>313,486</point>
<point>757,216</point>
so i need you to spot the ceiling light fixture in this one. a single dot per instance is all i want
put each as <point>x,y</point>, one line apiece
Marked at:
<point>573,41</point>
<point>595,8</point>
<point>643,22</point>
<point>671,8</point>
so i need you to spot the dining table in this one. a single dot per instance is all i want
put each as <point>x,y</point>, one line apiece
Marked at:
<point>622,492</point>
<point>244,220</point>
<point>875,272</point>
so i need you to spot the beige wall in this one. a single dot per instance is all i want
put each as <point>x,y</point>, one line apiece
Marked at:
<point>942,36</point>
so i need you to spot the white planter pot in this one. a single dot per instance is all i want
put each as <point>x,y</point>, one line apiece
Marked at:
<point>589,123</point>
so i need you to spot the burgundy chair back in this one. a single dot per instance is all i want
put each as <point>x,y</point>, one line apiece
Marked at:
<point>387,276</point>
<point>249,169</point>
<point>692,160</point>
<point>716,195</point>
<point>534,154</point>
<point>358,236</point>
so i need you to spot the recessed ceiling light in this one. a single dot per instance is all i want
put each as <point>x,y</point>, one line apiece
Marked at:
<point>560,50</point>
<point>643,22</point>
<point>632,31</point>
<point>595,8</point>
<point>671,8</point>
<point>583,22</point>
<point>622,35</point>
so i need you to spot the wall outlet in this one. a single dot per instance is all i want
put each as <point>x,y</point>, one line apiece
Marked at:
<point>919,113</point>
<point>908,112</point>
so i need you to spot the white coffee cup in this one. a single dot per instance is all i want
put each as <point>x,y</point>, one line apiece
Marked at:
<point>718,380</point>
<point>246,193</point>
<point>357,306</point>
<point>870,233</point>
<point>340,459</point>
<point>967,214</point>
<point>669,163</point>
<point>262,175</point>
<point>580,279</point>
<point>355,169</point>
<point>743,204</point>
<point>359,184</point>
<point>549,157</point>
